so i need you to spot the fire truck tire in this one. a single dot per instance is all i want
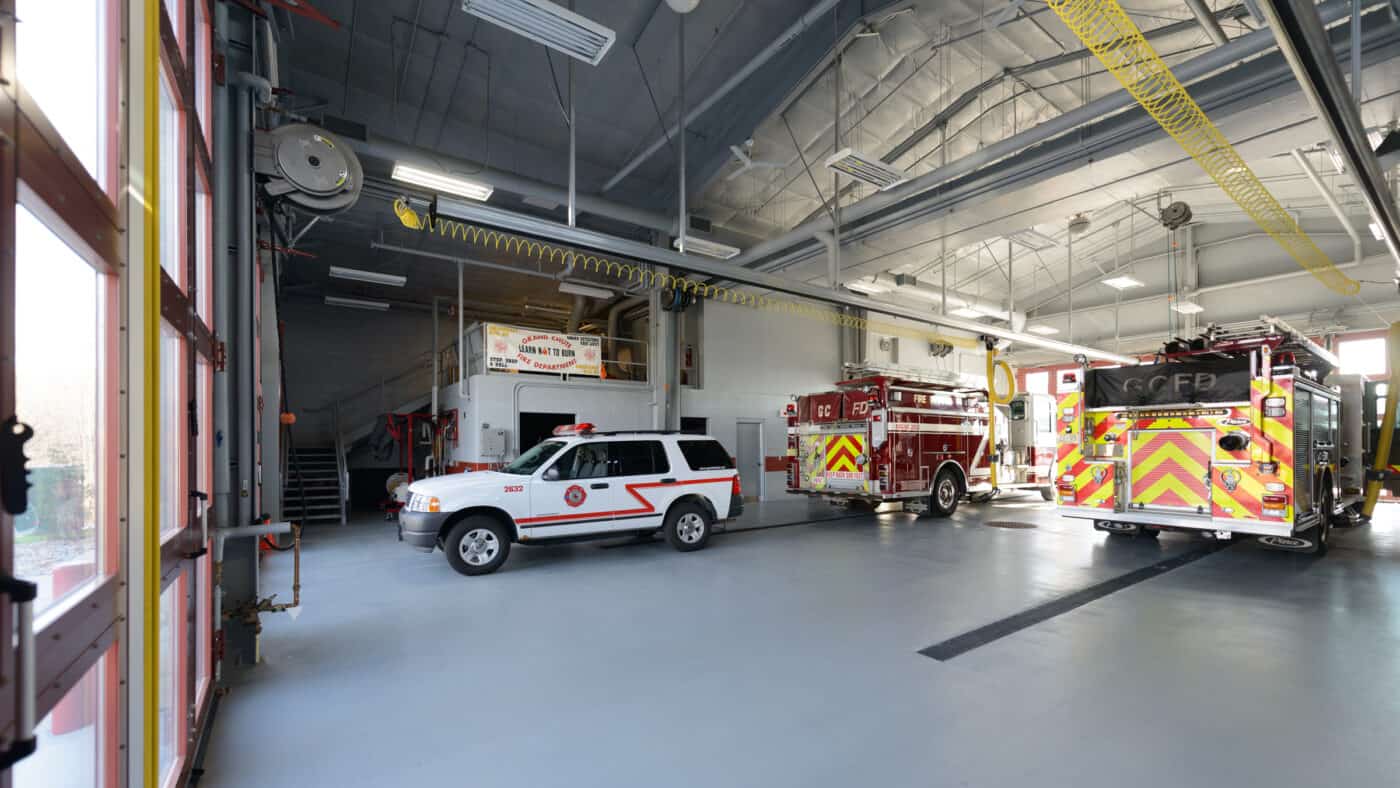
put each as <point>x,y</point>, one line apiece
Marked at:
<point>943,500</point>
<point>477,545</point>
<point>1149,533</point>
<point>1322,532</point>
<point>1047,493</point>
<point>860,505</point>
<point>687,526</point>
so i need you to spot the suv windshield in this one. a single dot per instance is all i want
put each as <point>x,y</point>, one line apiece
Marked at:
<point>531,460</point>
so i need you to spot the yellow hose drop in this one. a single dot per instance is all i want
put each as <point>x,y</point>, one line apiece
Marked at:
<point>993,400</point>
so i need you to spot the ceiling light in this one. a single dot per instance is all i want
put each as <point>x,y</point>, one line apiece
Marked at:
<point>1338,163</point>
<point>1377,231</point>
<point>574,288</point>
<point>1122,282</point>
<point>866,169</point>
<point>373,277</point>
<point>1044,331</point>
<point>440,182</point>
<point>357,303</point>
<point>1188,308</point>
<point>867,286</point>
<point>707,248</point>
<point>1033,239</point>
<point>965,311</point>
<point>548,23</point>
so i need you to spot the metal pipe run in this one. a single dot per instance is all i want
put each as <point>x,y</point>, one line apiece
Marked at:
<point>1332,203</point>
<point>1206,18</point>
<point>248,88</point>
<point>573,236</point>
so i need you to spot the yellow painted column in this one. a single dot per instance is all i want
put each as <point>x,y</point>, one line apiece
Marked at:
<point>993,400</point>
<point>1387,427</point>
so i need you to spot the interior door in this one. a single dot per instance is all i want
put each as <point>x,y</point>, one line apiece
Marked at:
<point>573,495</point>
<point>750,458</point>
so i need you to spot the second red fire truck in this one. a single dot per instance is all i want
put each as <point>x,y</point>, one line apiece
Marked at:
<point>920,440</point>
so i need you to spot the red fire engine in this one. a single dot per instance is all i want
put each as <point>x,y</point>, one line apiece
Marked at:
<point>917,439</point>
<point>1246,430</point>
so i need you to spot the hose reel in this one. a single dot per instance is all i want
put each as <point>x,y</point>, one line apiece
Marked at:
<point>309,167</point>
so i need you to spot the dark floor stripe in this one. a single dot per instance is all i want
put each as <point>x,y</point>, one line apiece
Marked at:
<point>1056,607</point>
<point>724,531</point>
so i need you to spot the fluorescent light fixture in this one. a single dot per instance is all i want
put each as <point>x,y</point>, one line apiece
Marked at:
<point>966,311</point>
<point>867,286</point>
<point>547,23</point>
<point>1377,232</point>
<point>1122,282</point>
<point>1044,331</point>
<point>574,288</point>
<point>707,248</point>
<point>1375,137</point>
<point>357,303</point>
<point>1032,238</point>
<point>866,169</point>
<point>1188,308</point>
<point>374,278</point>
<point>440,182</point>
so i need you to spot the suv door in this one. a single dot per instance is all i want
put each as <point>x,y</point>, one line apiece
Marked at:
<point>573,495</point>
<point>645,483</point>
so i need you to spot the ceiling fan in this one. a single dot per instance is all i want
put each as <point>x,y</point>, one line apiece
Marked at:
<point>744,158</point>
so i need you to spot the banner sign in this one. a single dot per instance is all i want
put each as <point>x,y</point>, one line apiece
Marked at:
<point>523,350</point>
<point>1170,383</point>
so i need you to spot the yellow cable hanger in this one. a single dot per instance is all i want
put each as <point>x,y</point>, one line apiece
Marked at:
<point>1107,31</point>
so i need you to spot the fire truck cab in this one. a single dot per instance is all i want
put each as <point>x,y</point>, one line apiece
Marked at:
<point>919,439</point>
<point>1239,431</point>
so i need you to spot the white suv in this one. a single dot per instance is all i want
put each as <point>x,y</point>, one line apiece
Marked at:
<point>580,484</point>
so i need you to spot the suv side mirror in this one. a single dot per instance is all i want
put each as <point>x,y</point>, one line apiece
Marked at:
<point>551,474</point>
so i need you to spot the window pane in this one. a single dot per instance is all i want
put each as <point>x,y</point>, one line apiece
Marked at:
<point>705,455</point>
<point>202,245</point>
<point>57,305</point>
<point>635,458</point>
<point>202,74</point>
<point>172,430</point>
<point>1038,382</point>
<point>70,747</point>
<point>584,461</point>
<point>169,658</point>
<point>171,159</point>
<point>59,51</point>
<point>1363,356</point>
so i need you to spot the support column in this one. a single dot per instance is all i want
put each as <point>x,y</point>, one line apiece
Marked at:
<point>270,369</point>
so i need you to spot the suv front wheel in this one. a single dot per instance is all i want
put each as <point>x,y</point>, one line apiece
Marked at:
<point>687,526</point>
<point>477,545</point>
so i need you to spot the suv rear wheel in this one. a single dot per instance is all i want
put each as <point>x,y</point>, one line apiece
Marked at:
<point>687,526</point>
<point>477,545</point>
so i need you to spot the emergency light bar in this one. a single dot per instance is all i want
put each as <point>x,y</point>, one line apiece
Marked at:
<point>574,429</point>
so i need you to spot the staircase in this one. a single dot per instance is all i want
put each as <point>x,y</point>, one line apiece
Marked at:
<point>317,471</point>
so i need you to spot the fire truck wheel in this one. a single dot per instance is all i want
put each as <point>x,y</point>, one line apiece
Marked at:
<point>687,527</point>
<point>1048,493</point>
<point>860,505</point>
<point>477,545</point>
<point>1149,533</point>
<point>946,492</point>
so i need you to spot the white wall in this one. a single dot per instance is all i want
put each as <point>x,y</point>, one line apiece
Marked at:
<point>496,399</point>
<point>752,362</point>
<point>909,348</point>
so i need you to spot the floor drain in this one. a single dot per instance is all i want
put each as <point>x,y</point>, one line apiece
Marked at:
<point>1008,524</point>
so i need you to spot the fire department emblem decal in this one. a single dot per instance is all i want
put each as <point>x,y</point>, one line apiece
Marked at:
<point>1230,478</point>
<point>575,496</point>
<point>1100,473</point>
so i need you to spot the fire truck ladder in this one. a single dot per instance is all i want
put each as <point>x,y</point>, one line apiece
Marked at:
<point>1306,352</point>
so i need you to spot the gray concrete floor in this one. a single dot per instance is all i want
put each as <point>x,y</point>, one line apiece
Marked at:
<point>789,657</point>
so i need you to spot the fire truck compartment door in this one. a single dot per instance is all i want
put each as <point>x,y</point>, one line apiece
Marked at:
<point>1171,470</point>
<point>846,462</point>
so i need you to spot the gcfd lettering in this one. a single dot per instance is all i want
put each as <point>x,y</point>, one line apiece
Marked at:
<point>1180,383</point>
